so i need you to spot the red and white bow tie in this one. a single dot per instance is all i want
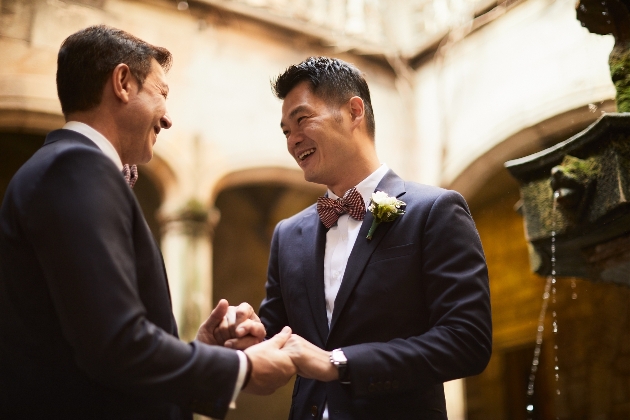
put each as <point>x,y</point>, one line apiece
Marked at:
<point>131,174</point>
<point>330,210</point>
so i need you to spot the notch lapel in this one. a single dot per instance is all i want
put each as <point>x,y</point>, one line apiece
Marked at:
<point>313,245</point>
<point>363,248</point>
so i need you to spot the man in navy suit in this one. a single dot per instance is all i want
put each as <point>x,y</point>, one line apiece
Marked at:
<point>379,324</point>
<point>86,326</point>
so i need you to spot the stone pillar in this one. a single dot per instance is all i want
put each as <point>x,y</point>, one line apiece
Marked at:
<point>187,248</point>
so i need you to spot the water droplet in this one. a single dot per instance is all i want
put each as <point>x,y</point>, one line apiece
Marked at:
<point>530,407</point>
<point>605,13</point>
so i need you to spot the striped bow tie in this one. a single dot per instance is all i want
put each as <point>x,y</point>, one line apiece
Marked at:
<point>330,210</point>
<point>131,174</point>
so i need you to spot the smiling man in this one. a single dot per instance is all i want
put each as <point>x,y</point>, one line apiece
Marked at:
<point>379,324</point>
<point>86,326</point>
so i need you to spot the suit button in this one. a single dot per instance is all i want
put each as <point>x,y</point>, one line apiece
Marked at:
<point>371,388</point>
<point>395,384</point>
<point>314,411</point>
<point>388,385</point>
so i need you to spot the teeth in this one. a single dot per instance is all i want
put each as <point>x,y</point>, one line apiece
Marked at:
<point>303,155</point>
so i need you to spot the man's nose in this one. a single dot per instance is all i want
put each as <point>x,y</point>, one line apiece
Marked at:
<point>293,139</point>
<point>165,122</point>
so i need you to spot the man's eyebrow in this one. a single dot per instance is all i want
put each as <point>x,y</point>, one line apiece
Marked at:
<point>295,111</point>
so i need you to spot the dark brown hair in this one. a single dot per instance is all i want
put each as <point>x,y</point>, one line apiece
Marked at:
<point>331,79</point>
<point>87,58</point>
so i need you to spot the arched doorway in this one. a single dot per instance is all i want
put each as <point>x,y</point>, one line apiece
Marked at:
<point>249,212</point>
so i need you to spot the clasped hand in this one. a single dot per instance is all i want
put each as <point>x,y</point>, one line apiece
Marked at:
<point>273,361</point>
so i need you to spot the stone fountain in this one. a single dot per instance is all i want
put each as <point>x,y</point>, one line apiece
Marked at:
<point>579,189</point>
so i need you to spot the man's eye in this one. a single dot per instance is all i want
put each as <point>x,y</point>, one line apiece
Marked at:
<point>300,119</point>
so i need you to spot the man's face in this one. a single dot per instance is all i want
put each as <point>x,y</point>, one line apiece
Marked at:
<point>147,116</point>
<point>317,137</point>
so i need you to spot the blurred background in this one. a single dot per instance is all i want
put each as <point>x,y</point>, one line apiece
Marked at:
<point>458,88</point>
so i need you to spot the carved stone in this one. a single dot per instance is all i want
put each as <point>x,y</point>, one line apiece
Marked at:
<point>580,189</point>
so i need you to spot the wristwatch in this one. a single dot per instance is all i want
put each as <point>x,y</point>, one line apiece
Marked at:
<point>338,359</point>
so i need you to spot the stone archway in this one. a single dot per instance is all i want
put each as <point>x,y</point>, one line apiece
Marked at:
<point>251,203</point>
<point>474,180</point>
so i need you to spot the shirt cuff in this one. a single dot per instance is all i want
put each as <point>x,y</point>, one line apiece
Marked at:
<point>242,373</point>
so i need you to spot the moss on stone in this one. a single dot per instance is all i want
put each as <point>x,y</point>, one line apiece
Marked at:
<point>619,62</point>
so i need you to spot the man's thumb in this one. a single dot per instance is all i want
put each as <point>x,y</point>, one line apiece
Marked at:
<point>217,314</point>
<point>281,338</point>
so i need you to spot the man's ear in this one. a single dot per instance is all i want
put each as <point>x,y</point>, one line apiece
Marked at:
<point>357,110</point>
<point>122,82</point>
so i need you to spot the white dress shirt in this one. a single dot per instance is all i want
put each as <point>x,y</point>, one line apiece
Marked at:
<point>108,150</point>
<point>340,240</point>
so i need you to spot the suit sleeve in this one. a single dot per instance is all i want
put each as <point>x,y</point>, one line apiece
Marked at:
<point>458,340</point>
<point>80,221</point>
<point>272,312</point>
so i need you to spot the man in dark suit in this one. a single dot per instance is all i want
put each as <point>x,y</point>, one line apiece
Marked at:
<point>86,326</point>
<point>379,324</point>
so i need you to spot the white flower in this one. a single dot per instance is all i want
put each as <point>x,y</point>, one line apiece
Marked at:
<point>385,209</point>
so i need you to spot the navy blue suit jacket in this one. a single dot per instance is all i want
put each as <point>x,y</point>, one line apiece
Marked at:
<point>86,326</point>
<point>412,312</point>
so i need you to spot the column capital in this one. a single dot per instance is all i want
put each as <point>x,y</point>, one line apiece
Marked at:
<point>194,219</point>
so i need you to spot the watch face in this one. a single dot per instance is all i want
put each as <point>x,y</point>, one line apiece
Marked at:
<point>339,357</point>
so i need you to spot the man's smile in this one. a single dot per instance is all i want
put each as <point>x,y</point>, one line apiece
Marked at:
<point>306,153</point>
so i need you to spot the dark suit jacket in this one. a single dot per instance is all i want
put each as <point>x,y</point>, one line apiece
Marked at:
<point>412,312</point>
<point>86,326</point>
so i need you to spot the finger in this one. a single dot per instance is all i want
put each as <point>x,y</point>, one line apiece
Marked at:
<point>223,330</point>
<point>244,311</point>
<point>216,316</point>
<point>242,343</point>
<point>250,327</point>
<point>281,338</point>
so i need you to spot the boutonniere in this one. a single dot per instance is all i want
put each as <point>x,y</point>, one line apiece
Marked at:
<point>385,209</point>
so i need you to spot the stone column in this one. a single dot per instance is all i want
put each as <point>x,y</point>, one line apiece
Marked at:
<point>187,249</point>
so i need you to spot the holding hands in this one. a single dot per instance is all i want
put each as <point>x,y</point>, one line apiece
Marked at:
<point>272,362</point>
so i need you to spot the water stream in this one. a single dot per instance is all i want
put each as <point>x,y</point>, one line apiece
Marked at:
<point>550,286</point>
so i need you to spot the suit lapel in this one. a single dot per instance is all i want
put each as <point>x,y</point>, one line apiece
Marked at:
<point>363,248</point>
<point>313,244</point>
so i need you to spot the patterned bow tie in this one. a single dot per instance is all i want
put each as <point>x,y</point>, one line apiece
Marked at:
<point>131,174</point>
<point>330,210</point>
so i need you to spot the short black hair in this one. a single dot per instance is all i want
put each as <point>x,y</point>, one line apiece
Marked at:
<point>87,58</point>
<point>331,79</point>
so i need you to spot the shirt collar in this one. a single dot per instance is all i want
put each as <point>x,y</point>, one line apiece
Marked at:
<point>106,147</point>
<point>368,185</point>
